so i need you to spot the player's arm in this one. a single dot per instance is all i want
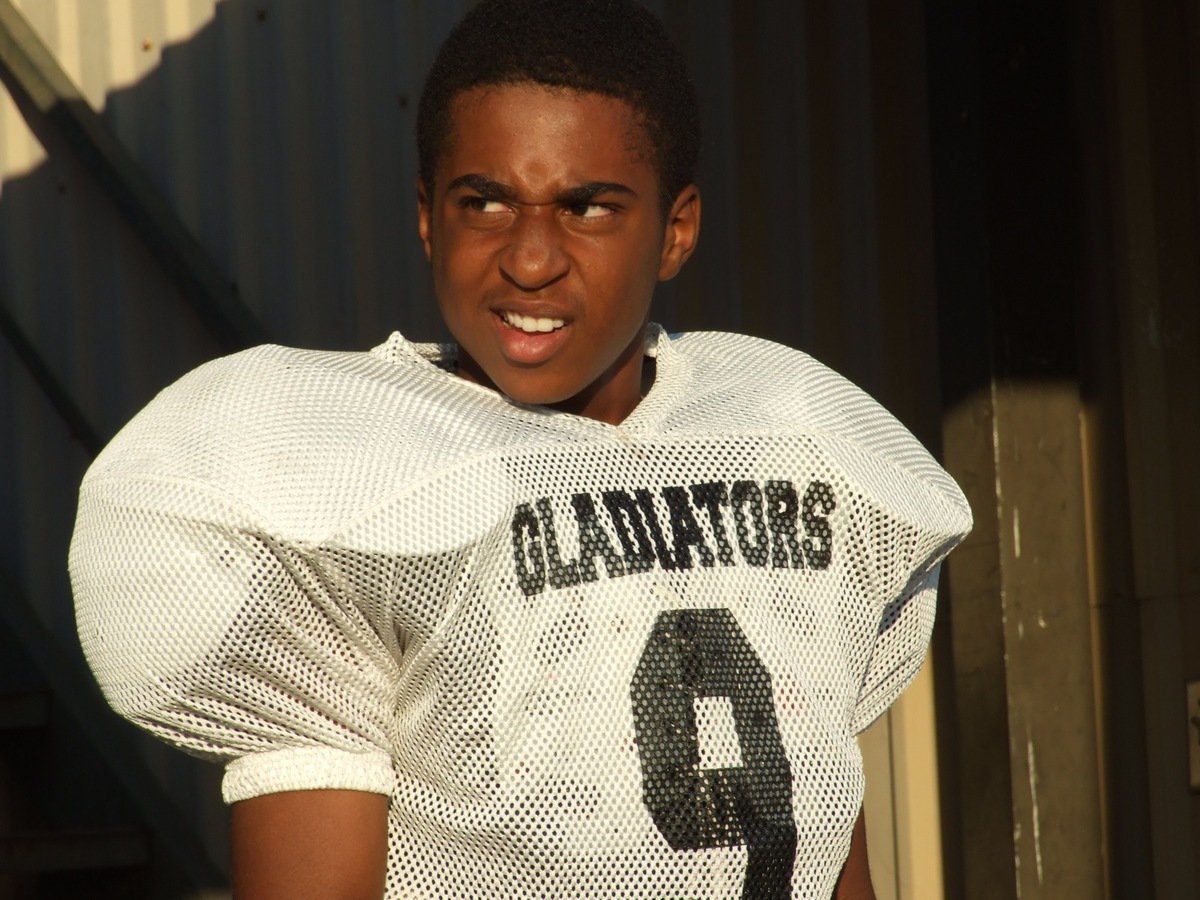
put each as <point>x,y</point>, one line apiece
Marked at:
<point>310,845</point>
<point>855,881</point>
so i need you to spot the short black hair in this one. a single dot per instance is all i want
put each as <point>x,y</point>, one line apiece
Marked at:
<point>617,48</point>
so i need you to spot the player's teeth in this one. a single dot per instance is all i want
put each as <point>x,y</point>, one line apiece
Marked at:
<point>532,324</point>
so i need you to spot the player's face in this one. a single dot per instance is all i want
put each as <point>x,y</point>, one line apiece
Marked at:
<point>546,237</point>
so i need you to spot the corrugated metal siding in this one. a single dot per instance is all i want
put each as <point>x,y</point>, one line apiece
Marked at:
<point>815,177</point>
<point>280,131</point>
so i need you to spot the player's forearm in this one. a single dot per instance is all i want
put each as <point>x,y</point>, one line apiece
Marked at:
<point>310,845</point>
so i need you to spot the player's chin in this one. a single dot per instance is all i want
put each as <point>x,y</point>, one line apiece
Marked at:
<point>532,387</point>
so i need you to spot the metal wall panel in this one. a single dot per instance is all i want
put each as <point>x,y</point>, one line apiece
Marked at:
<point>280,132</point>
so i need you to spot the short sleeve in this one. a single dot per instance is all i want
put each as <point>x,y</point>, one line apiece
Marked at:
<point>225,640</point>
<point>900,645</point>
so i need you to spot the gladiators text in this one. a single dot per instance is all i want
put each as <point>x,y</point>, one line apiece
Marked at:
<point>621,532</point>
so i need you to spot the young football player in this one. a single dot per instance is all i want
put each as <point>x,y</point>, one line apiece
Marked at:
<point>569,608</point>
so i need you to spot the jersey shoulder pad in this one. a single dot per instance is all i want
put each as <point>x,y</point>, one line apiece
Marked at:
<point>306,439</point>
<point>752,386</point>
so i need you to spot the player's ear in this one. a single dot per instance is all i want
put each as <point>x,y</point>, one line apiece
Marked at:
<point>424,217</point>
<point>682,232</point>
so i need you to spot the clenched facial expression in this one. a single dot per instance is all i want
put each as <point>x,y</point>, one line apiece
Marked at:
<point>546,236</point>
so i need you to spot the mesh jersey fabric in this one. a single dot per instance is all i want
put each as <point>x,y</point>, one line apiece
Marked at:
<point>583,660</point>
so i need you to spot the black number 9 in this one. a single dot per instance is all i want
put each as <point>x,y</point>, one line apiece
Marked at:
<point>694,653</point>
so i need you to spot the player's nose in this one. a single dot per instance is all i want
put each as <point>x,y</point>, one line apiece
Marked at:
<point>534,257</point>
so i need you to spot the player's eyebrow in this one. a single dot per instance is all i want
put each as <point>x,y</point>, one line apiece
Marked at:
<point>496,190</point>
<point>484,186</point>
<point>587,192</point>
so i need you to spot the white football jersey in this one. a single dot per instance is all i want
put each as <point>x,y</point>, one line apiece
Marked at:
<point>584,660</point>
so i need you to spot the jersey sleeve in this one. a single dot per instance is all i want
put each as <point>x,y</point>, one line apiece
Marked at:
<point>230,643</point>
<point>907,560</point>
<point>900,646</point>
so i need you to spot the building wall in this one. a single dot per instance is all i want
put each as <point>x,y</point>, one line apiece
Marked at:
<point>280,132</point>
<point>1148,541</point>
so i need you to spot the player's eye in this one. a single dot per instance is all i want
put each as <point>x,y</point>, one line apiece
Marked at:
<point>478,204</point>
<point>590,210</point>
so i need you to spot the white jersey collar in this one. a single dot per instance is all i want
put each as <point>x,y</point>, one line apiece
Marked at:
<point>436,361</point>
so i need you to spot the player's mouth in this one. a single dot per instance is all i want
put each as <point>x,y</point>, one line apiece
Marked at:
<point>528,340</point>
<point>531,324</point>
